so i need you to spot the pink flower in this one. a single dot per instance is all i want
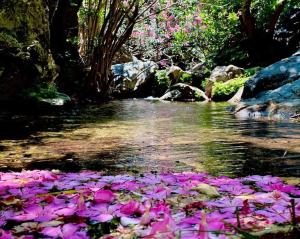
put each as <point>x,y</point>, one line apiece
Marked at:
<point>130,208</point>
<point>166,228</point>
<point>67,231</point>
<point>197,21</point>
<point>5,234</point>
<point>104,196</point>
<point>159,192</point>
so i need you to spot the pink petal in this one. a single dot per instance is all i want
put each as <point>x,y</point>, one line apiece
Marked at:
<point>130,208</point>
<point>126,221</point>
<point>103,218</point>
<point>104,196</point>
<point>52,232</point>
<point>69,230</point>
<point>5,234</point>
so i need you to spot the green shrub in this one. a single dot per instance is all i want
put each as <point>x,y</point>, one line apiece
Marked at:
<point>162,83</point>
<point>223,91</point>
<point>204,84</point>
<point>186,78</point>
<point>43,91</point>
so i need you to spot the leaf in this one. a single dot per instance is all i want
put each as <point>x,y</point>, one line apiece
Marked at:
<point>207,190</point>
<point>50,224</point>
<point>25,227</point>
<point>11,200</point>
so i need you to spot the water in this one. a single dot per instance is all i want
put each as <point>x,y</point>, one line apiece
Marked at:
<point>140,136</point>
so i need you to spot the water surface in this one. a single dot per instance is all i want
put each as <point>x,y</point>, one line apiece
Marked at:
<point>141,135</point>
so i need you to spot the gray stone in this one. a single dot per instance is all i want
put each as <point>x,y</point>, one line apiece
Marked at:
<point>133,76</point>
<point>225,73</point>
<point>199,68</point>
<point>60,100</point>
<point>273,76</point>
<point>222,74</point>
<point>280,103</point>
<point>175,74</point>
<point>184,92</point>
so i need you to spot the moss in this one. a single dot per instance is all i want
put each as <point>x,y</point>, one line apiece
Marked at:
<point>24,34</point>
<point>223,91</point>
<point>8,41</point>
<point>27,19</point>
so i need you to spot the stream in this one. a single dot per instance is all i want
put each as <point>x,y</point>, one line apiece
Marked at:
<point>141,136</point>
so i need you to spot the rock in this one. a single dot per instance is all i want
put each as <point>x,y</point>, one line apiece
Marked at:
<point>297,53</point>
<point>183,92</point>
<point>225,73</point>
<point>273,76</point>
<point>237,97</point>
<point>133,77</point>
<point>174,74</point>
<point>280,103</point>
<point>25,57</point>
<point>234,71</point>
<point>289,91</point>
<point>222,74</point>
<point>199,68</point>
<point>60,100</point>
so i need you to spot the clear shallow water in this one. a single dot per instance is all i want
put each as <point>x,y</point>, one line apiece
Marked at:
<point>140,135</point>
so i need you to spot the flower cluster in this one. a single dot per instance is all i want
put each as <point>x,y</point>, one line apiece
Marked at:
<point>44,204</point>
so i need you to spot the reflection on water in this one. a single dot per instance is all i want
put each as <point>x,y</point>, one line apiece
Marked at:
<point>140,135</point>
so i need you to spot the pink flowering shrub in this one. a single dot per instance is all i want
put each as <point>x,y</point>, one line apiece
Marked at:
<point>43,204</point>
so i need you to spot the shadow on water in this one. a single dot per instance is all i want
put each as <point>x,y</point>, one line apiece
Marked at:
<point>139,136</point>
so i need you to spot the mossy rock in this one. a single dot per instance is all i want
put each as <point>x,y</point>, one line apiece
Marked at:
<point>47,94</point>
<point>223,91</point>
<point>9,41</point>
<point>25,56</point>
<point>27,19</point>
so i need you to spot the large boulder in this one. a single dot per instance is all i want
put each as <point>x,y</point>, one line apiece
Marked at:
<point>225,73</point>
<point>222,74</point>
<point>134,77</point>
<point>199,73</point>
<point>184,92</point>
<point>273,76</point>
<point>273,92</point>
<point>25,58</point>
<point>175,74</point>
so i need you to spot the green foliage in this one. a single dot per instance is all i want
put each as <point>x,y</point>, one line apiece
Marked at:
<point>223,91</point>
<point>162,82</point>
<point>210,30</point>
<point>204,83</point>
<point>43,91</point>
<point>9,41</point>
<point>186,78</point>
